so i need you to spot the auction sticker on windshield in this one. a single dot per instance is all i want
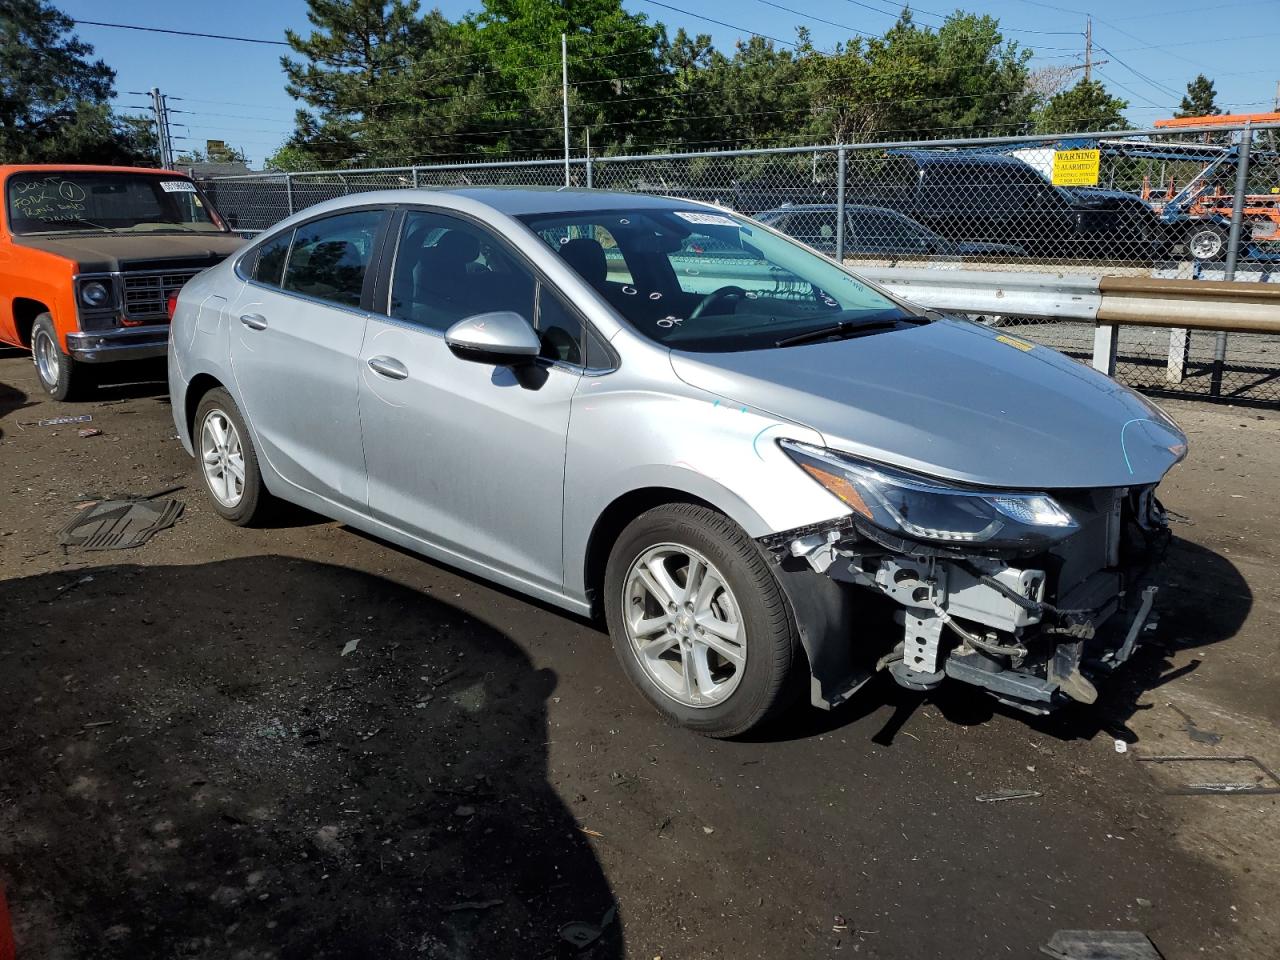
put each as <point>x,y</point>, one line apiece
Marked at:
<point>177,186</point>
<point>714,219</point>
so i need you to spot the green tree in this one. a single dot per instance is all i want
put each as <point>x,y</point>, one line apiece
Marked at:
<point>962,79</point>
<point>224,153</point>
<point>1200,100</point>
<point>614,65</point>
<point>53,98</point>
<point>1085,107</point>
<point>375,81</point>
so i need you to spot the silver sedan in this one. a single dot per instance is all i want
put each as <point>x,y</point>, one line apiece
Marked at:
<point>770,477</point>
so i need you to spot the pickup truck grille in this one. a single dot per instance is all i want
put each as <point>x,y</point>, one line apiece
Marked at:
<point>146,294</point>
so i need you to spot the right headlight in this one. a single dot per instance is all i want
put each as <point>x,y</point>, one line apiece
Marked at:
<point>928,509</point>
<point>95,294</point>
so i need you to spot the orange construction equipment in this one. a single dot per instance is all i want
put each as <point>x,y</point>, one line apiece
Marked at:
<point>1218,120</point>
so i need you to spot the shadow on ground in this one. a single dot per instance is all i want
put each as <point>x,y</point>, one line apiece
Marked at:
<point>196,768</point>
<point>1203,600</point>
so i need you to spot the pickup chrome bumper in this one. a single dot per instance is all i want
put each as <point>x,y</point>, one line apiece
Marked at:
<point>126,343</point>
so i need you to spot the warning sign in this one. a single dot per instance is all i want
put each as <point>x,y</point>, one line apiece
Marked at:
<point>1076,168</point>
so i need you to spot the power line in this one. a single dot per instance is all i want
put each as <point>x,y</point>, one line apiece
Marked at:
<point>719,23</point>
<point>180,33</point>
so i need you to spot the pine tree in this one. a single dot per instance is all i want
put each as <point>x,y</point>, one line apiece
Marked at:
<point>1085,107</point>
<point>1201,99</point>
<point>53,98</point>
<point>376,76</point>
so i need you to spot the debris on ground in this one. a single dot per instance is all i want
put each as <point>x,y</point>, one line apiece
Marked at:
<point>465,811</point>
<point>472,905</point>
<point>1193,731</point>
<point>582,934</point>
<point>59,421</point>
<point>1121,746</point>
<point>1101,945</point>
<point>119,524</point>
<point>999,795</point>
<point>88,432</point>
<point>1265,780</point>
<point>350,646</point>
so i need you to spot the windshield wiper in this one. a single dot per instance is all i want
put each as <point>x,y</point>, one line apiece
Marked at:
<point>847,328</point>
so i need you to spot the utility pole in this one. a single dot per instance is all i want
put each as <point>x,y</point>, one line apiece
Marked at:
<point>564,95</point>
<point>164,135</point>
<point>1088,49</point>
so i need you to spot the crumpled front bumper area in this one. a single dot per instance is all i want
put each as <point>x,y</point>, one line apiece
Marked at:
<point>1036,631</point>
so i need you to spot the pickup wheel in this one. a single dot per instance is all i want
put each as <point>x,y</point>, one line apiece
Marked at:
<point>228,462</point>
<point>61,376</point>
<point>1207,241</point>
<point>699,622</point>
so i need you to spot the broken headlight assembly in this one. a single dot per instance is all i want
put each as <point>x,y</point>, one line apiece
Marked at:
<point>935,511</point>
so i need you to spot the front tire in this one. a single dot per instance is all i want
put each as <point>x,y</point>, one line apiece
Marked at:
<point>228,462</point>
<point>60,375</point>
<point>699,622</point>
<point>1207,242</point>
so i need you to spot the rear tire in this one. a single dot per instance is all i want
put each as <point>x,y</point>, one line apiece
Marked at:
<point>227,461</point>
<point>717,659</point>
<point>61,376</point>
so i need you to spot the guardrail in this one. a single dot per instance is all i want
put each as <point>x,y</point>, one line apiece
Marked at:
<point>1107,303</point>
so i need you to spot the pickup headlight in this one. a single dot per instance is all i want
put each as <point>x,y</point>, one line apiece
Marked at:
<point>95,294</point>
<point>922,508</point>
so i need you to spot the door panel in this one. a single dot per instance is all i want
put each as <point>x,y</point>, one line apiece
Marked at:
<point>465,455</point>
<point>295,354</point>
<point>298,379</point>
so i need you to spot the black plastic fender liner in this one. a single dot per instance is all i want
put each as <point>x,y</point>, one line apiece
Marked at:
<point>824,612</point>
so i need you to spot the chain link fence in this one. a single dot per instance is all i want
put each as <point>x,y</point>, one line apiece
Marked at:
<point>1195,204</point>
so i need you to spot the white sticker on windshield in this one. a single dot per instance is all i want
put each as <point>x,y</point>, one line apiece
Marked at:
<point>177,186</point>
<point>714,219</point>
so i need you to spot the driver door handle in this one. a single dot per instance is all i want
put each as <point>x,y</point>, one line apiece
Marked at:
<point>388,367</point>
<point>254,321</point>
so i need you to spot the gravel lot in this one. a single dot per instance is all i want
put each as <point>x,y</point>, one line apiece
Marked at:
<point>193,767</point>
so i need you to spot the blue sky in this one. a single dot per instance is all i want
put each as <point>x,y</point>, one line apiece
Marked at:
<point>235,91</point>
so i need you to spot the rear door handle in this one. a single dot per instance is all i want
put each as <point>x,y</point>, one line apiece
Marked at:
<point>254,321</point>
<point>389,367</point>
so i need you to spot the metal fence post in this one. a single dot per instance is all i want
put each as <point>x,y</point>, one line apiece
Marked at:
<point>415,177</point>
<point>288,191</point>
<point>840,171</point>
<point>590,173</point>
<point>1233,250</point>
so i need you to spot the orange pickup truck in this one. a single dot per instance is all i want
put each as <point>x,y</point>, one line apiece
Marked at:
<point>89,257</point>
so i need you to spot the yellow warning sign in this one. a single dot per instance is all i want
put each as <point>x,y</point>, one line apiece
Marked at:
<point>1076,168</point>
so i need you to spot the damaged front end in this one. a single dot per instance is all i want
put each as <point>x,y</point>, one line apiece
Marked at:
<point>1030,595</point>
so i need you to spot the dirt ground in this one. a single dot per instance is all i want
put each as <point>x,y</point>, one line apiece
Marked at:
<point>191,765</point>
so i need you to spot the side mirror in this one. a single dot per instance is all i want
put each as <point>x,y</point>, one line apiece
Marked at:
<point>503,338</point>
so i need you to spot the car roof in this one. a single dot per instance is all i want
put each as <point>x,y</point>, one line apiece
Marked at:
<point>830,208</point>
<point>522,201</point>
<point>8,168</point>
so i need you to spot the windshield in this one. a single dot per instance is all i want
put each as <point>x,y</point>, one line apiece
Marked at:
<point>703,280</point>
<point>43,202</point>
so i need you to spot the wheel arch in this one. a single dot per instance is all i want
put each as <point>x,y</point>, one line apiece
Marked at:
<point>625,508</point>
<point>25,312</point>
<point>197,388</point>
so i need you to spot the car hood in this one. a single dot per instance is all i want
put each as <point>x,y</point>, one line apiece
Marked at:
<point>144,251</point>
<point>1098,197</point>
<point>974,248</point>
<point>956,400</point>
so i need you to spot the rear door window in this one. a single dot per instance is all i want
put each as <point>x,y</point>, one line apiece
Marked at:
<point>268,268</point>
<point>330,257</point>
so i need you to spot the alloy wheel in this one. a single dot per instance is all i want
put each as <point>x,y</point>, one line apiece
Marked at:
<point>222,458</point>
<point>684,625</point>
